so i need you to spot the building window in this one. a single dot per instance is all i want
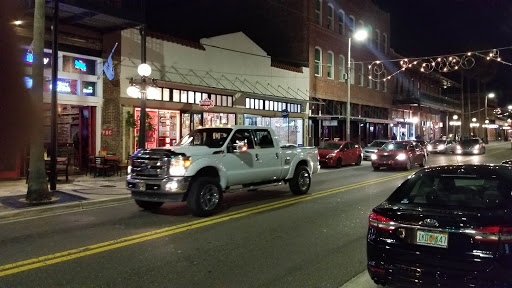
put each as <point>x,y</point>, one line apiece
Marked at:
<point>330,17</point>
<point>351,23</point>
<point>385,43</point>
<point>330,64</point>
<point>318,12</point>
<point>360,72</point>
<point>384,83</point>
<point>376,39</point>
<point>352,73</point>
<point>377,83</point>
<point>370,36</point>
<point>341,22</point>
<point>341,68</point>
<point>370,75</point>
<point>318,61</point>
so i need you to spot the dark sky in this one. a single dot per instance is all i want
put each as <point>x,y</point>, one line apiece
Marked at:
<point>437,27</point>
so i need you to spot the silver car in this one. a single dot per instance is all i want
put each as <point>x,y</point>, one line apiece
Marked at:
<point>372,148</point>
<point>442,146</point>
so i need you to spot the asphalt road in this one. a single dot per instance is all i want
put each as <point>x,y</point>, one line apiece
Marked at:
<point>265,238</point>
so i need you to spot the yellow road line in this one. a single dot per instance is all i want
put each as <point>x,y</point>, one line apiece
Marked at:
<point>109,245</point>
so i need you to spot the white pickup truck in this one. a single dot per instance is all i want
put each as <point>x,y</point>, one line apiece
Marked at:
<point>210,161</point>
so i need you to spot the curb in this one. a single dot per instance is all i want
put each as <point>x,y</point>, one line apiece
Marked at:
<point>62,208</point>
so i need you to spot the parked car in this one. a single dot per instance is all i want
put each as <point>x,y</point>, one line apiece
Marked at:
<point>442,146</point>
<point>212,160</point>
<point>399,154</point>
<point>445,226</point>
<point>372,148</point>
<point>470,146</point>
<point>339,153</point>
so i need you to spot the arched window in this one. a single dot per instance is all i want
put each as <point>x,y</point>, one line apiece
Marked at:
<point>376,39</point>
<point>330,65</point>
<point>352,73</point>
<point>330,17</point>
<point>318,61</point>
<point>341,68</point>
<point>341,22</point>
<point>318,12</point>
<point>351,23</point>
<point>370,76</point>
<point>360,72</point>
<point>385,43</point>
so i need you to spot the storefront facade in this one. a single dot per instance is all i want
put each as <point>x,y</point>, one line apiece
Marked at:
<point>211,83</point>
<point>79,97</point>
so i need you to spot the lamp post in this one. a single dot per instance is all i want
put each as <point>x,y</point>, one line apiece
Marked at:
<point>490,95</point>
<point>455,117</point>
<point>142,88</point>
<point>359,36</point>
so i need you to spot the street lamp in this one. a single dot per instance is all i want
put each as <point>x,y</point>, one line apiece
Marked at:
<point>142,88</point>
<point>490,95</point>
<point>359,35</point>
<point>509,107</point>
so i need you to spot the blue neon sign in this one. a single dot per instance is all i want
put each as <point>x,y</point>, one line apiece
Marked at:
<point>80,65</point>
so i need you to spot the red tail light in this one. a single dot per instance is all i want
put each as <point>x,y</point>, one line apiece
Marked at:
<point>381,222</point>
<point>493,234</point>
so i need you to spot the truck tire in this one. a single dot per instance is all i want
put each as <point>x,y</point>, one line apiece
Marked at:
<point>204,196</point>
<point>148,205</point>
<point>301,181</point>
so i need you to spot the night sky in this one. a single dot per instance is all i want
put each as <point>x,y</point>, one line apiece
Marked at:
<point>437,27</point>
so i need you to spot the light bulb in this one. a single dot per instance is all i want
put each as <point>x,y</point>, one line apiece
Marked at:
<point>133,91</point>
<point>144,70</point>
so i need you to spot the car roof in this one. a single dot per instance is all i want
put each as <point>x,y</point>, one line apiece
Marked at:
<point>467,169</point>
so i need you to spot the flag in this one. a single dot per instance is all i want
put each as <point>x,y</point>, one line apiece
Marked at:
<point>108,67</point>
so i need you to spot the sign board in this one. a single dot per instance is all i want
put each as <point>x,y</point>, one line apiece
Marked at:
<point>285,113</point>
<point>107,132</point>
<point>206,103</point>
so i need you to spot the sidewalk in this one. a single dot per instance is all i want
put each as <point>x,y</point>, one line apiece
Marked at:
<point>79,193</point>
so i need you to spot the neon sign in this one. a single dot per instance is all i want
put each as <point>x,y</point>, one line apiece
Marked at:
<point>80,65</point>
<point>88,90</point>
<point>62,87</point>
<point>29,58</point>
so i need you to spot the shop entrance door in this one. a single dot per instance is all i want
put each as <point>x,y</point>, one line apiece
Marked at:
<point>87,135</point>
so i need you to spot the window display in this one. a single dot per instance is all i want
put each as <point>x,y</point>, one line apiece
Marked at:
<point>215,119</point>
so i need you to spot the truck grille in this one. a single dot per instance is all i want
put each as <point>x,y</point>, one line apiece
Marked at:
<point>149,167</point>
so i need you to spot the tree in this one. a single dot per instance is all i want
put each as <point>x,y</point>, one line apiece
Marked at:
<point>37,190</point>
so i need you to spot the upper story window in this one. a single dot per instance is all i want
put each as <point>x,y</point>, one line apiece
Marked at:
<point>385,42</point>
<point>360,72</point>
<point>370,76</point>
<point>369,39</point>
<point>351,68</point>
<point>330,64</point>
<point>341,68</point>
<point>341,22</point>
<point>318,61</point>
<point>378,82</point>
<point>318,12</point>
<point>351,23</point>
<point>330,17</point>
<point>376,39</point>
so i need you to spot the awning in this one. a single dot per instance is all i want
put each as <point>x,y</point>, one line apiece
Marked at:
<point>385,121</point>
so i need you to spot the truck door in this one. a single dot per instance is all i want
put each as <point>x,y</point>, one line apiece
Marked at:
<point>267,156</point>
<point>241,165</point>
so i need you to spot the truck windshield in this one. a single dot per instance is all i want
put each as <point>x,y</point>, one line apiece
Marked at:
<point>209,137</point>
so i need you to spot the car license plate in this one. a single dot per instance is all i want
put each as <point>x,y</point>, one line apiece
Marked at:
<point>436,239</point>
<point>142,186</point>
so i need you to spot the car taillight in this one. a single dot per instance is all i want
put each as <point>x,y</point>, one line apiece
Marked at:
<point>493,234</point>
<point>381,222</point>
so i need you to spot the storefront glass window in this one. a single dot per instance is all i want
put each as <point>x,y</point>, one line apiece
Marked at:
<point>198,97</point>
<point>88,88</point>
<point>78,65</point>
<point>185,125</point>
<point>183,96</point>
<point>64,86</point>
<point>215,119</point>
<point>288,130</point>
<point>191,97</point>
<point>175,95</point>
<point>166,95</point>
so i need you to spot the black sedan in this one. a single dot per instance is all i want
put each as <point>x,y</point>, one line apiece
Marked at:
<point>445,226</point>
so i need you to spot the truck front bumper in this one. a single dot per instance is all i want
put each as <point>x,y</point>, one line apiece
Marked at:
<point>170,189</point>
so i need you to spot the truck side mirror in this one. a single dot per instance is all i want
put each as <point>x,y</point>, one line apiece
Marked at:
<point>239,148</point>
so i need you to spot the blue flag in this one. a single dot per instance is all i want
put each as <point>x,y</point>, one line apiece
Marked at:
<point>108,67</point>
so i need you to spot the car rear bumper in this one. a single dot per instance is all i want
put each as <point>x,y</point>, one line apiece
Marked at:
<point>385,270</point>
<point>327,162</point>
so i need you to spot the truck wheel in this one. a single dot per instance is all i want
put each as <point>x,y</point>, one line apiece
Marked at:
<point>301,181</point>
<point>148,205</point>
<point>204,196</point>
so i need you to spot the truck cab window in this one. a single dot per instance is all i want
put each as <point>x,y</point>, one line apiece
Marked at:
<point>263,138</point>
<point>243,136</point>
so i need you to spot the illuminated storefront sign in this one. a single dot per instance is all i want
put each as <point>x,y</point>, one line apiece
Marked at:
<point>80,65</point>
<point>29,59</point>
<point>88,90</point>
<point>62,87</point>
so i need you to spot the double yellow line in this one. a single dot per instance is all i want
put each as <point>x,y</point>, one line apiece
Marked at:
<point>109,245</point>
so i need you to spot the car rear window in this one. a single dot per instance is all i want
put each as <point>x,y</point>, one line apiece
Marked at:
<point>461,191</point>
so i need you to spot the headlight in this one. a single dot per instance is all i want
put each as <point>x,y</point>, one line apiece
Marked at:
<point>441,147</point>
<point>331,155</point>
<point>458,147</point>
<point>401,156</point>
<point>374,157</point>
<point>429,147</point>
<point>178,165</point>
